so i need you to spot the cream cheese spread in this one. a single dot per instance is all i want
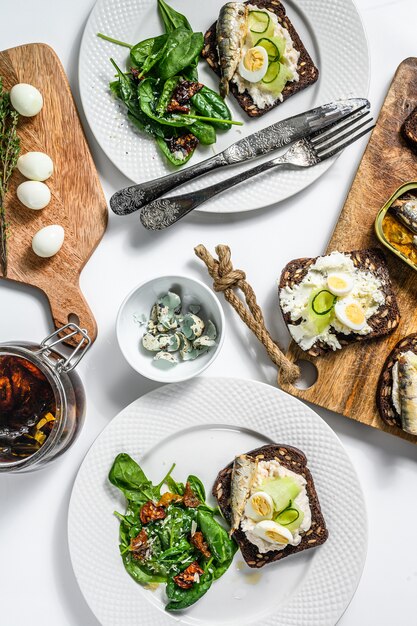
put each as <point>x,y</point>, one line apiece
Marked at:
<point>366,291</point>
<point>273,469</point>
<point>258,91</point>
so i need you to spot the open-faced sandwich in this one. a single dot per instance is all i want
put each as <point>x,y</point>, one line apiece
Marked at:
<point>396,395</point>
<point>333,300</point>
<point>258,54</point>
<point>409,129</point>
<point>269,499</point>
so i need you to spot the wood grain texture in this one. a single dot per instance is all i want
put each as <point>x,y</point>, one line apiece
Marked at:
<point>347,379</point>
<point>77,203</point>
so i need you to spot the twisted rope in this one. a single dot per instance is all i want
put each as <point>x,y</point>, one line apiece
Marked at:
<point>226,279</point>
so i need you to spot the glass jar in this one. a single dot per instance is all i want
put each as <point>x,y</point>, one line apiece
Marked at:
<point>35,372</point>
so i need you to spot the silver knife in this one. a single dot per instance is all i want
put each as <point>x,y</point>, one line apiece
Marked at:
<point>262,142</point>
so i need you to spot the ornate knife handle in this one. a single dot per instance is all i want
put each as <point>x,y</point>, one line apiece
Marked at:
<point>165,212</point>
<point>133,198</point>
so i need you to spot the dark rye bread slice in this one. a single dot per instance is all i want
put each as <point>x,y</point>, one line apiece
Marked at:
<point>384,402</point>
<point>292,459</point>
<point>307,71</point>
<point>382,322</point>
<point>409,129</point>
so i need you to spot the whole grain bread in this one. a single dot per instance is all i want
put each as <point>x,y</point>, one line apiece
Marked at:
<point>409,129</point>
<point>307,71</point>
<point>386,408</point>
<point>292,459</point>
<point>383,322</point>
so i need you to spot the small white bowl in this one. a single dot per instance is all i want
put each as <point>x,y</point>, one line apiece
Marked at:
<point>140,302</point>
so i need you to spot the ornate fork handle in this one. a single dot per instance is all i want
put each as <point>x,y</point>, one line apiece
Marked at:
<point>165,212</point>
<point>133,198</point>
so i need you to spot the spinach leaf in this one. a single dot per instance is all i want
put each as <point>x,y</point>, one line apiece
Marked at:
<point>181,50</point>
<point>182,598</point>
<point>198,487</point>
<point>148,98</point>
<point>145,52</point>
<point>166,94</point>
<point>172,485</point>
<point>222,547</point>
<point>129,477</point>
<point>221,569</point>
<point>171,18</point>
<point>139,573</point>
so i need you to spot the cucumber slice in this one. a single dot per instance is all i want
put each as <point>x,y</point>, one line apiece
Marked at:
<point>289,519</point>
<point>320,320</point>
<point>277,85</point>
<point>282,491</point>
<point>272,73</point>
<point>259,22</point>
<point>323,302</point>
<point>271,48</point>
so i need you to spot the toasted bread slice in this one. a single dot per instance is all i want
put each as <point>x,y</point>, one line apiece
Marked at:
<point>383,322</point>
<point>306,69</point>
<point>409,129</point>
<point>295,460</point>
<point>384,401</point>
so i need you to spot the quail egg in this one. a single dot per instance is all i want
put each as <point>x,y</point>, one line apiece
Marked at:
<point>260,506</point>
<point>34,194</point>
<point>350,313</point>
<point>35,166</point>
<point>339,284</point>
<point>272,532</point>
<point>48,241</point>
<point>26,99</point>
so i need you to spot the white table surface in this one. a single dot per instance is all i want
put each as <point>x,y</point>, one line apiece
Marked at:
<point>37,584</point>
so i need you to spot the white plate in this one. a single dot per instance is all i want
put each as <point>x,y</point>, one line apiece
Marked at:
<point>202,425</point>
<point>332,32</point>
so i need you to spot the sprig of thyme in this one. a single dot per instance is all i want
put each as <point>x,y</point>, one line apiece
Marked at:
<point>9,152</point>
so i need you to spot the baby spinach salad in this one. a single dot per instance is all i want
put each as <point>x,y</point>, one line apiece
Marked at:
<point>171,536</point>
<point>161,91</point>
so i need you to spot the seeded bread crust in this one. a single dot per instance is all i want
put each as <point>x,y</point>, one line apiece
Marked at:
<point>292,459</point>
<point>386,408</point>
<point>306,69</point>
<point>383,322</point>
<point>409,129</point>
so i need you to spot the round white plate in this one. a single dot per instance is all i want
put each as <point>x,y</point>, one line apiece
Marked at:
<point>202,425</point>
<point>332,32</point>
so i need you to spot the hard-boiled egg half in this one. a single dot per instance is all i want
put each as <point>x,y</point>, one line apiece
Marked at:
<point>48,241</point>
<point>34,194</point>
<point>35,165</point>
<point>254,64</point>
<point>339,284</point>
<point>350,313</point>
<point>272,532</point>
<point>259,506</point>
<point>26,99</point>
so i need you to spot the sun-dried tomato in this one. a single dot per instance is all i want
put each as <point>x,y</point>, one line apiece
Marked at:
<point>185,90</point>
<point>136,74</point>
<point>189,576</point>
<point>176,107</point>
<point>198,541</point>
<point>139,545</point>
<point>185,144</point>
<point>151,512</point>
<point>189,498</point>
<point>168,498</point>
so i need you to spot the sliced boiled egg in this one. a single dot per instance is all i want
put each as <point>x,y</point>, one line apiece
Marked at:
<point>26,99</point>
<point>272,532</point>
<point>48,241</point>
<point>339,284</point>
<point>254,64</point>
<point>260,506</point>
<point>35,165</point>
<point>350,313</point>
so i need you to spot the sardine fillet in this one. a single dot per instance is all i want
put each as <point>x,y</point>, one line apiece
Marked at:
<point>232,28</point>
<point>407,381</point>
<point>243,475</point>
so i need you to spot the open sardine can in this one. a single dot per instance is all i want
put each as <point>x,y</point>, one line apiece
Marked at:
<point>393,230</point>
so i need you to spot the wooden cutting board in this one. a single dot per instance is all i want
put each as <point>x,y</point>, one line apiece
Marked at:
<point>347,379</point>
<point>78,203</point>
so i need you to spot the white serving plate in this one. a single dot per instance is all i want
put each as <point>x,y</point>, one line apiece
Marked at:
<point>332,32</point>
<point>201,425</point>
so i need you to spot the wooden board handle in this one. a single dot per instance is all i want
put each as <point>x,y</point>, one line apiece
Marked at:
<point>72,308</point>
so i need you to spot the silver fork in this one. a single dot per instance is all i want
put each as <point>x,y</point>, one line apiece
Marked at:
<point>307,152</point>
